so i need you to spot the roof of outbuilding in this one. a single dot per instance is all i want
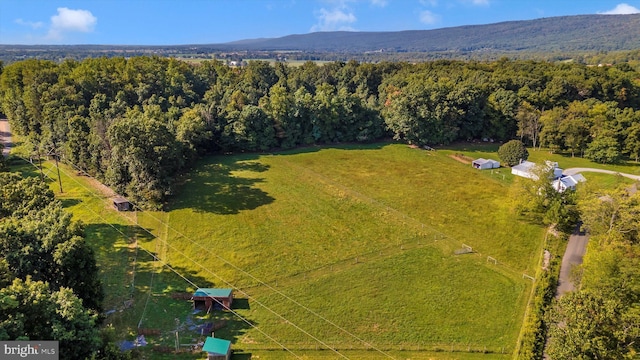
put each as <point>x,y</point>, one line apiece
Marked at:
<point>216,346</point>
<point>213,292</point>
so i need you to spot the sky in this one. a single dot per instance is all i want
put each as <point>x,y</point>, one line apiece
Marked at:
<point>180,22</point>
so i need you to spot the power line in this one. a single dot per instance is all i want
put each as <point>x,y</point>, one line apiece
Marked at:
<point>187,280</point>
<point>398,212</point>
<point>221,279</point>
<point>368,344</point>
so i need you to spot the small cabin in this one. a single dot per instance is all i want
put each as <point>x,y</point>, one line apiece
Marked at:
<point>212,299</point>
<point>122,204</point>
<point>217,349</point>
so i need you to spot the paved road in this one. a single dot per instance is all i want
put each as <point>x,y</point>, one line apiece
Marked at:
<point>5,136</point>
<point>576,248</point>
<point>573,171</point>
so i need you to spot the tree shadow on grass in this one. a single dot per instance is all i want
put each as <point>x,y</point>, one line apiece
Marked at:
<point>224,185</point>
<point>69,202</point>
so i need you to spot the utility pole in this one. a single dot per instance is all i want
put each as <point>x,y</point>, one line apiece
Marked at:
<point>55,156</point>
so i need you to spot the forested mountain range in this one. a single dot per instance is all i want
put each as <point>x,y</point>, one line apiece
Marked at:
<point>542,39</point>
<point>566,33</point>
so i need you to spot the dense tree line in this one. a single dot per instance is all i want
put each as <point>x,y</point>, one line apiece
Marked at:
<point>49,285</point>
<point>135,123</point>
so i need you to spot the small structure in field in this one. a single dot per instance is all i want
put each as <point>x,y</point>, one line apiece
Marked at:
<point>482,164</point>
<point>217,349</point>
<point>568,182</point>
<point>527,169</point>
<point>210,298</point>
<point>122,204</point>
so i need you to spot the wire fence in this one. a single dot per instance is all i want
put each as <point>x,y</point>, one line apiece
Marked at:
<point>430,347</point>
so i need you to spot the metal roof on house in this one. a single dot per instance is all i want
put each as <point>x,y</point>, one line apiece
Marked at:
<point>216,346</point>
<point>524,166</point>
<point>213,292</point>
<point>484,161</point>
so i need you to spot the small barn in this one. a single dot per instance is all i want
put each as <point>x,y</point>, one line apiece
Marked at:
<point>482,164</point>
<point>568,182</point>
<point>217,349</point>
<point>210,299</point>
<point>122,204</point>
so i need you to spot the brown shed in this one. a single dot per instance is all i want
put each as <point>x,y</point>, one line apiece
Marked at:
<point>122,204</point>
<point>208,299</point>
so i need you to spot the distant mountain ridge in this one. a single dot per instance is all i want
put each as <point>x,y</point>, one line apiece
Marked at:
<point>564,37</point>
<point>565,33</point>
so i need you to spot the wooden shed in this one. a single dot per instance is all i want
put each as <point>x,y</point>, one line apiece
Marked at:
<point>122,204</point>
<point>217,349</point>
<point>210,299</point>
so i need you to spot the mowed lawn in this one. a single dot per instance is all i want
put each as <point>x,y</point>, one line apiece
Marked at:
<point>354,248</point>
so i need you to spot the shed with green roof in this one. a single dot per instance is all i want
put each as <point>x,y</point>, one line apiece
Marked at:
<point>217,349</point>
<point>210,298</point>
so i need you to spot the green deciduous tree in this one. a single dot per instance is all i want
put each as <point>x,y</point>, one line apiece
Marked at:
<point>604,149</point>
<point>46,245</point>
<point>19,196</point>
<point>31,311</point>
<point>612,215</point>
<point>589,326</point>
<point>3,159</point>
<point>144,156</point>
<point>513,152</point>
<point>529,124</point>
<point>551,134</point>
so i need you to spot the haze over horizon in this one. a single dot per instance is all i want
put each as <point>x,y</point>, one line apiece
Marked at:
<point>146,22</point>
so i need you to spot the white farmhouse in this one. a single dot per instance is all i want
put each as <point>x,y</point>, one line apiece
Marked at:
<point>527,169</point>
<point>563,183</point>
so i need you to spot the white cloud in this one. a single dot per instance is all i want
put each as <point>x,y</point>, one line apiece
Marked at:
<point>333,20</point>
<point>429,18</point>
<point>622,9</point>
<point>31,24</point>
<point>380,3</point>
<point>70,20</point>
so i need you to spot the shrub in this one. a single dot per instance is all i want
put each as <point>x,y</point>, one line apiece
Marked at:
<point>512,152</point>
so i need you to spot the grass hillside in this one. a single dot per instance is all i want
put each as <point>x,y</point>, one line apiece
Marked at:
<point>354,248</point>
<point>346,251</point>
<point>351,248</point>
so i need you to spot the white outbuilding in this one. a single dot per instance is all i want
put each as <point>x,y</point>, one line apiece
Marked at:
<point>482,164</point>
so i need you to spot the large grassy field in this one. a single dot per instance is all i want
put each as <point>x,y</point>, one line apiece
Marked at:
<point>333,252</point>
<point>354,248</point>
